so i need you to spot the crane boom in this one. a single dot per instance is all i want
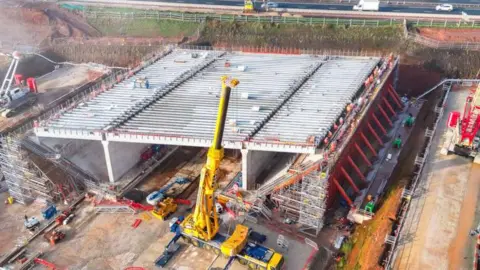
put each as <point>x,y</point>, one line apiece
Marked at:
<point>203,223</point>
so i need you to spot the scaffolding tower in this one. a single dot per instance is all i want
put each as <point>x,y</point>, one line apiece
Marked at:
<point>24,179</point>
<point>305,201</point>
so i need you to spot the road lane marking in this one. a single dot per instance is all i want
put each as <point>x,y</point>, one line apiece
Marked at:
<point>332,8</point>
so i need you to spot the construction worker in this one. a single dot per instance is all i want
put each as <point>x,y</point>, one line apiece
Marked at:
<point>409,121</point>
<point>397,143</point>
<point>147,83</point>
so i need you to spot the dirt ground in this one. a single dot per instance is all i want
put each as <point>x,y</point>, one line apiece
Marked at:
<point>451,34</point>
<point>12,231</point>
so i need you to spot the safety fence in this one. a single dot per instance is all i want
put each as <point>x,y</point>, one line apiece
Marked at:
<point>202,17</point>
<point>432,43</point>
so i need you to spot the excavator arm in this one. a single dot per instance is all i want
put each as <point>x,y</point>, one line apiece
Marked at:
<point>203,223</point>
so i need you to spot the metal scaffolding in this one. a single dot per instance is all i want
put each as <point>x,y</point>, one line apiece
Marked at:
<point>305,201</point>
<point>24,179</point>
<point>27,181</point>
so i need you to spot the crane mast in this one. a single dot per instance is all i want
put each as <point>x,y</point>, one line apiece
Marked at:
<point>203,223</point>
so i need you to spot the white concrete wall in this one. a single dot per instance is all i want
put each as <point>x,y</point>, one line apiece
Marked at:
<point>253,164</point>
<point>87,155</point>
<point>124,156</point>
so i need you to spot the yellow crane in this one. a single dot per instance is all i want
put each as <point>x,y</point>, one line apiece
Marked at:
<point>203,222</point>
<point>201,227</point>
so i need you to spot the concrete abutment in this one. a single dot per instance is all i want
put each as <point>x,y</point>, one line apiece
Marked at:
<point>253,164</point>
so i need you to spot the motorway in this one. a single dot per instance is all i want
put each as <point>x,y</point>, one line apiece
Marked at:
<point>403,8</point>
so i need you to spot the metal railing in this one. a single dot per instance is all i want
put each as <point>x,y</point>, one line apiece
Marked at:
<point>437,44</point>
<point>202,17</point>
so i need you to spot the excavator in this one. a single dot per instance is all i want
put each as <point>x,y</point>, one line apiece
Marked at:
<point>201,228</point>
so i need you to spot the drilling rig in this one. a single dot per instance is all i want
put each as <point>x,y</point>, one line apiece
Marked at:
<point>463,135</point>
<point>201,228</point>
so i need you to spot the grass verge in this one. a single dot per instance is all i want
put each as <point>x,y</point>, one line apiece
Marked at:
<point>144,27</point>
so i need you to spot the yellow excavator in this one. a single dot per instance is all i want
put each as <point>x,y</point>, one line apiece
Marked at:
<point>201,228</point>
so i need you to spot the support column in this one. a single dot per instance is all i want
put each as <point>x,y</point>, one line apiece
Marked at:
<point>108,161</point>
<point>379,124</point>
<point>385,115</point>
<point>245,160</point>
<point>362,154</point>
<point>356,169</point>
<point>388,105</point>
<point>375,134</point>
<point>349,179</point>
<point>395,96</point>
<point>342,192</point>
<point>369,145</point>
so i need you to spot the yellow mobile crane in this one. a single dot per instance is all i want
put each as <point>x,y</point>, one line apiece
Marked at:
<point>201,228</point>
<point>203,223</point>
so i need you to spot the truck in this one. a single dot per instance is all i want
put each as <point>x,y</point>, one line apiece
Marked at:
<point>16,99</point>
<point>463,133</point>
<point>367,5</point>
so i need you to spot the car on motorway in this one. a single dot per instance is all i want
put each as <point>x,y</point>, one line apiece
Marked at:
<point>444,7</point>
<point>269,5</point>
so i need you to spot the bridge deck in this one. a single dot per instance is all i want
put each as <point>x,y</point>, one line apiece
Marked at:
<point>281,100</point>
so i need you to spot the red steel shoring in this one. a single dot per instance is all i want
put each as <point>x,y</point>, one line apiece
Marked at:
<point>342,192</point>
<point>379,124</point>
<point>395,95</point>
<point>349,179</point>
<point>356,169</point>
<point>385,115</point>
<point>388,105</point>
<point>375,134</point>
<point>369,145</point>
<point>363,154</point>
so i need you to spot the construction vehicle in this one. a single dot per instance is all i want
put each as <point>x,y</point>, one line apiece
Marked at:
<point>157,196</point>
<point>31,224</point>
<point>13,99</point>
<point>248,6</point>
<point>463,134</point>
<point>49,211</point>
<point>201,228</point>
<point>164,209</point>
<point>16,99</point>
<point>54,236</point>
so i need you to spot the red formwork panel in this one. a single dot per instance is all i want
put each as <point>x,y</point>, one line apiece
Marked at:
<point>350,150</point>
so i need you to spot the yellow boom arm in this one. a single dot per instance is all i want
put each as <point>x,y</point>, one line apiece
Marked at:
<point>203,223</point>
